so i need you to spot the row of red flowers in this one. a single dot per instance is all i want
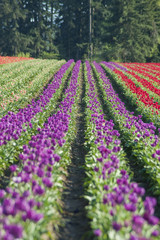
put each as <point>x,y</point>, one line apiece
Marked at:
<point>153,68</point>
<point>142,95</point>
<point>4,60</point>
<point>153,76</point>
<point>145,83</point>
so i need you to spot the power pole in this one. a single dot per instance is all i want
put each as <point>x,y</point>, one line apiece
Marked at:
<point>90,29</point>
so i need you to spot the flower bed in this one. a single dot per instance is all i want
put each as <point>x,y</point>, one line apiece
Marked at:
<point>5,60</point>
<point>116,208</point>
<point>30,204</point>
<point>144,84</point>
<point>138,137</point>
<point>17,91</point>
<point>17,128</point>
<point>153,68</point>
<point>152,75</point>
<point>147,97</point>
<point>137,97</point>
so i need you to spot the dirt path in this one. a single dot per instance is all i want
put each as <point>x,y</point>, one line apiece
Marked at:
<point>76,224</point>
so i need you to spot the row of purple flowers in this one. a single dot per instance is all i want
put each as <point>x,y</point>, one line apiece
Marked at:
<point>116,206</point>
<point>17,128</point>
<point>26,203</point>
<point>11,125</point>
<point>137,135</point>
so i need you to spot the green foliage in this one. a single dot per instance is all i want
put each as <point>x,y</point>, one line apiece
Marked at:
<point>126,30</point>
<point>72,22</point>
<point>26,26</point>
<point>22,54</point>
<point>12,39</point>
<point>48,55</point>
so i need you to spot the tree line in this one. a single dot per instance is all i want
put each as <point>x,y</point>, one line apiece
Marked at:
<point>120,30</point>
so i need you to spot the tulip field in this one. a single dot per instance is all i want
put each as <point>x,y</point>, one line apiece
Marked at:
<point>5,60</point>
<point>39,108</point>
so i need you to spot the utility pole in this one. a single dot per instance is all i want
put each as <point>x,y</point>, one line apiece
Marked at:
<point>90,29</point>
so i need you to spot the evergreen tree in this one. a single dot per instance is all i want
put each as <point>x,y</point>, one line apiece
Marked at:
<point>72,21</point>
<point>133,32</point>
<point>101,28</point>
<point>34,26</point>
<point>38,27</point>
<point>136,36</point>
<point>155,53</point>
<point>11,14</point>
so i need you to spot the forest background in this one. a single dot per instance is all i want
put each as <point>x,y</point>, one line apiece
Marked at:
<point>120,30</point>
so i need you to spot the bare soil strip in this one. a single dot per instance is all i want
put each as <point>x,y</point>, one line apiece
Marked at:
<point>76,225</point>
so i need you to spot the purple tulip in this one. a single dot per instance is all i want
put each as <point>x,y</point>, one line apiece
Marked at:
<point>14,230</point>
<point>116,226</point>
<point>97,232</point>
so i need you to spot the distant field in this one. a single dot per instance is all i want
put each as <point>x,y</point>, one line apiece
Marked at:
<point>60,119</point>
<point>20,81</point>
<point>5,60</point>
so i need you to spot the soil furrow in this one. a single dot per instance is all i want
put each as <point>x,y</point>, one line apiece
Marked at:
<point>76,225</point>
